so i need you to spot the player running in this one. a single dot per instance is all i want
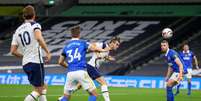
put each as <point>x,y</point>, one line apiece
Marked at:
<point>28,38</point>
<point>188,57</point>
<point>75,55</point>
<point>176,69</point>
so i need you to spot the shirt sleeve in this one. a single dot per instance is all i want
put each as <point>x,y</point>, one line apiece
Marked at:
<point>174,56</point>
<point>14,40</point>
<point>36,26</point>
<point>87,45</point>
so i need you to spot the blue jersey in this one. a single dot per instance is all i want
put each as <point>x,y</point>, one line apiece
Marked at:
<point>75,53</point>
<point>170,56</point>
<point>187,58</point>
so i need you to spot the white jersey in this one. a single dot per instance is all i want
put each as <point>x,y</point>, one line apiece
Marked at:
<point>98,57</point>
<point>24,38</point>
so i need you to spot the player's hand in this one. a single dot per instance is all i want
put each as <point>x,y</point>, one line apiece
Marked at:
<point>48,57</point>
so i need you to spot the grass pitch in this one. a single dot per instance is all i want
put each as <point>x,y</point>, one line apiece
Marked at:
<point>18,92</point>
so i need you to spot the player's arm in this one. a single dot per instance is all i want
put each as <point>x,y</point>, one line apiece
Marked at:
<point>169,73</point>
<point>14,46</point>
<point>39,38</point>
<point>180,65</point>
<point>109,58</point>
<point>196,62</point>
<point>62,61</point>
<point>94,47</point>
<point>14,51</point>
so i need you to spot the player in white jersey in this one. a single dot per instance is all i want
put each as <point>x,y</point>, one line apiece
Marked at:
<point>28,38</point>
<point>95,61</point>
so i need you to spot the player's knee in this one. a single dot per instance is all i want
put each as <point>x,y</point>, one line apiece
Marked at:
<point>93,92</point>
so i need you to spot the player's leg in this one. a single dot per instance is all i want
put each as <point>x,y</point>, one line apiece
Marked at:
<point>43,91</point>
<point>88,85</point>
<point>36,79</point>
<point>69,87</point>
<point>189,76</point>
<point>177,89</point>
<point>96,75</point>
<point>170,84</point>
<point>104,88</point>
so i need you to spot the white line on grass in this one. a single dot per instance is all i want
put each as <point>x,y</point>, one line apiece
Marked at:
<point>121,94</point>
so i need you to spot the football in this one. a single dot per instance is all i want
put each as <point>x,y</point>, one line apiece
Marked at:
<point>167,33</point>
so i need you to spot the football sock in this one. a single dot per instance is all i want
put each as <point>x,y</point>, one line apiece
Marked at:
<point>32,97</point>
<point>42,97</point>
<point>189,88</point>
<point>178,87</point>
<point>170,96</point>
<point>105,92</point>
<point>92,98</point>
<point>63,98</point>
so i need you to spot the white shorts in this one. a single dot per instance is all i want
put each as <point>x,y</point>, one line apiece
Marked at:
<point>189,74</point>
<point>75,77</point>
<point>174,76</point>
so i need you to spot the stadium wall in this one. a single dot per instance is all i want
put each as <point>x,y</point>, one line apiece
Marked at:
<point>113,81</point>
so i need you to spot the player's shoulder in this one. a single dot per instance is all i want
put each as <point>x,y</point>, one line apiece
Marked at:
<point>35,25</point>
<point>173,52</point>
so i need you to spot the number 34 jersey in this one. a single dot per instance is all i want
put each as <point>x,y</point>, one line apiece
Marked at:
<point>75,54</point>
<point>24,38</point>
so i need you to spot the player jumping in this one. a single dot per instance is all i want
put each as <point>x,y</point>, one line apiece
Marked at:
<point>176,69</point>
<point>28,38</point>
<point>188,57</point>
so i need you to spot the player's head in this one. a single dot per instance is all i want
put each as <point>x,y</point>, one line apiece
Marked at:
<point>114,43</point>
<point>185,47</point>
<point>164,45</point>
<point>75,32</point>
<point>29,13</point>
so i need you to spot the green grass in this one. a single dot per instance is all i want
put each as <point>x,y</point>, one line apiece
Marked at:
<point>18,92</point>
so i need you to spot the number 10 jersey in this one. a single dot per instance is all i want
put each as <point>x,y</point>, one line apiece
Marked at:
<point>24,38</point>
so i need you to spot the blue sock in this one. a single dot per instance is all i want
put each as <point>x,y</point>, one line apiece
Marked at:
<point>170,95</point>
<point>178,86</point>
<point>92,98</point>
<point>189,87</point>
<point>64,98</point>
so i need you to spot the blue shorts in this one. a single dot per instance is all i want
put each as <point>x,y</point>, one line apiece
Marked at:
<point>93,72</point>
<point>35,73</point>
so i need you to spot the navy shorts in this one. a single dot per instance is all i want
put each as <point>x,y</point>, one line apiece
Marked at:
<point>93,72</point>
<point>35,73</point>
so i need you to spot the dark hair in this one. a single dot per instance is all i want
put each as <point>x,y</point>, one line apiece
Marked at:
<point>28,12</point>
<point>115,39</point>
<point>164,41</point>
<point>75,31</point>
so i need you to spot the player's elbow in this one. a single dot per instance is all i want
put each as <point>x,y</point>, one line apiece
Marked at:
<point>60,62</point>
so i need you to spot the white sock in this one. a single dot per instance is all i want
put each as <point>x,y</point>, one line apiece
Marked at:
<point>105,92</point>
<point>32,97</point>
<point>43,96</point>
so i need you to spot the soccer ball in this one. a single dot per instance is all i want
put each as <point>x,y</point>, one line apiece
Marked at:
<point>167,33</point>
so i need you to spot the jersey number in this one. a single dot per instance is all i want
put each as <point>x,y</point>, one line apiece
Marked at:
<point>25,38</point>
<point>74,56</point>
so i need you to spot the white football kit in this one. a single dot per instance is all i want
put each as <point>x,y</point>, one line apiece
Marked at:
<point>25,39</point>
<point>98,57</point>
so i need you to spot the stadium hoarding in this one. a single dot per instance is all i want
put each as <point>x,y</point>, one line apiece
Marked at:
<point>113,81</point>
<point>133,10</point>
<point>136,1</point>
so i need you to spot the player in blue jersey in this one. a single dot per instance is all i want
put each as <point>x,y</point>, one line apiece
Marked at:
<point>188,57</point>
<point>176,69</point>
<point>95,62</point>
<point>74,56</point>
